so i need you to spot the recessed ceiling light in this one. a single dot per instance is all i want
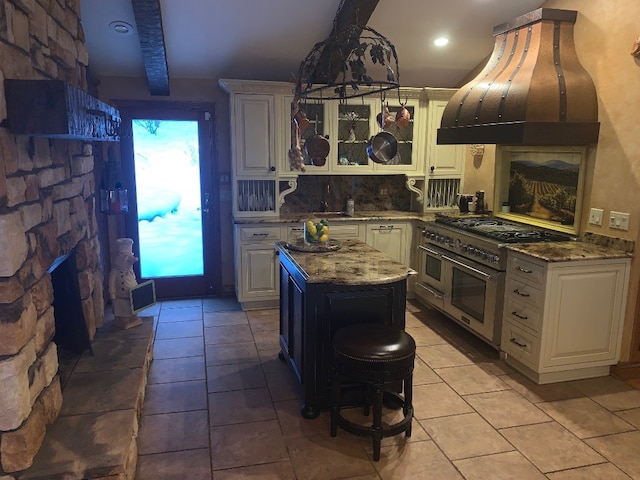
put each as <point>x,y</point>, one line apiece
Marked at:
<point>441,41</point>
<point>121,28</point>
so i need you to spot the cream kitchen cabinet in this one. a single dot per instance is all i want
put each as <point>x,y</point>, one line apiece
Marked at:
<point>442,160</point>
<point>393,238</point>
<point>563,320</point>
<point>257,281</point>
<point>349,125</point>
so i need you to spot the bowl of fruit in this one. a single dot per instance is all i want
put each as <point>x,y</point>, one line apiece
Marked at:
<point>316,232</point>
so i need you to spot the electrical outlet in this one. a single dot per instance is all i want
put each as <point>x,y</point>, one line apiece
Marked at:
<point>619,220</point>
<point>595,216</point>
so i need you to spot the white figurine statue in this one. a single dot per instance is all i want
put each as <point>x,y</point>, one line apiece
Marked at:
<point>121,280</point>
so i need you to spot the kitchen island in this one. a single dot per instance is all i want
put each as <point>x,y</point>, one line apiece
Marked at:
<point>321,292</point>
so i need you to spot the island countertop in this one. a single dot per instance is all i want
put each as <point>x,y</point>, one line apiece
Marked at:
<point>355,263</point>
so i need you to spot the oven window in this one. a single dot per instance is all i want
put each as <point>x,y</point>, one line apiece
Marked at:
<point>468,293</point>
<point>433,268</point>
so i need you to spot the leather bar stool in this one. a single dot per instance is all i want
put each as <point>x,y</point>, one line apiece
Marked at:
<point>380,358</point>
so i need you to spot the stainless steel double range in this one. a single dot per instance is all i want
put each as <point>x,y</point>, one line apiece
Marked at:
<point>462,268</point>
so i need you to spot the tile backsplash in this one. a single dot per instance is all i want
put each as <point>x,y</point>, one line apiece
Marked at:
<point>369,192</point>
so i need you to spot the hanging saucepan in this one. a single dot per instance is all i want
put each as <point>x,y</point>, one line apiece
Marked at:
<point>382,147</point>
<point>316,148</point>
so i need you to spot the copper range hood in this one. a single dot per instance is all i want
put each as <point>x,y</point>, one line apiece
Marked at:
<point>532,91</point>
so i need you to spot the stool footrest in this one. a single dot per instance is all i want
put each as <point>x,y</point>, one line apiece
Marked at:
<point>387,431</point>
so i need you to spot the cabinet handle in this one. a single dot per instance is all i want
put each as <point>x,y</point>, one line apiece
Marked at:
<point>261,235</point>
<point>523,317</point>
<point>518,292</point>
<point>272,168</point>
<point>516,342</point>
<point>433,168</point>
<point>524,270</point>
<point>386,228</point>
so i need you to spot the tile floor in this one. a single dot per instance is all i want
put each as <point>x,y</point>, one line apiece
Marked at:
<point>220,405</point>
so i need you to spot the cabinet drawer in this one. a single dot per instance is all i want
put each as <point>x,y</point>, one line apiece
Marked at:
<point>259,234</point>
<point>522,314</point>
<point>520,344</point>
<point>532,272</point>
<point>524,293</point>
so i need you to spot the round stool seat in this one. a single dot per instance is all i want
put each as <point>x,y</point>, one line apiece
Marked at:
<point>373,353</point>
<point>380,357</point>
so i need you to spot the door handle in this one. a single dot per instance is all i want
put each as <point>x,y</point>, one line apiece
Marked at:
<point>205,207</point>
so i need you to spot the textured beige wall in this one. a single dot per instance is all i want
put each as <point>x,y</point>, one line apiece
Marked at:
<point>604,34</point>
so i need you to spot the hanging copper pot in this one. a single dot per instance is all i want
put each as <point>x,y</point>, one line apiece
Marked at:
<point>384,118</point>
<point>403,117</point>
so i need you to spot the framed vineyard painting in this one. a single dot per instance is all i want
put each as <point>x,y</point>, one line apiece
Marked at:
<point>541,186</point>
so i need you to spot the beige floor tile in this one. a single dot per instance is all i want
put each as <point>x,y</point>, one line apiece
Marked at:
<point>191,464</point>
<point>271,362</point>
<point>240,406</point>
<point>440,356</point>
<point>322,457</point>
<point>178,347</point>
<point>425,336</point>
<point>191,328</point>
<point>293,424</point>
<point>463,436</point>
<point>605,471</point>
<point>265,322</point>
<point>246,444</point>
<point>175,397</point>
<point>501,466</point>
<point>180,314</point>
<point>611,393</point>
<point>283,386</point>
<point>584,417</point>
<point>621,449</point>
<point>217,319</point>
<point>170,432</point>
<point>221,378</point>
<point>470,379</point>
<point>540,393</point>
<point>631,416</point>
<point>551,447</point>
<point>437,400</point>
<point>422,374</point>
<point>262,311</point>
<point>415,461</point>
<point>267,471</point>
<point>225,334</point>
<point>506,409</point>
<point>220,304</point>
<point>177,370</point>
<point>418,433</point>
<point>224,354</point>
<point>411,320</point>
<point>266,340</point>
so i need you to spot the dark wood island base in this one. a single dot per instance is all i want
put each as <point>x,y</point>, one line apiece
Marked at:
<point>322,292</point>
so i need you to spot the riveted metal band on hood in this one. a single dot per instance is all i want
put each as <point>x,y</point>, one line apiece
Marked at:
<point>532,91</point>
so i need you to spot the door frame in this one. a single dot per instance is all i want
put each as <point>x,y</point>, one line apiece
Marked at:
<point>178,287</point>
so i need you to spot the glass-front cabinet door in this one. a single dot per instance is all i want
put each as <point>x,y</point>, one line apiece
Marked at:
<point>354,129</point>
<point>312,120</point>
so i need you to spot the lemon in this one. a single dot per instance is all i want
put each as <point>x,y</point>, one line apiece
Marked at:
<point>325,229</point>
<point>324,238</point>
<point>310,224</point>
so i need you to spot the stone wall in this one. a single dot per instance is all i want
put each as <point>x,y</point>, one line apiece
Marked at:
<point>47,208</point>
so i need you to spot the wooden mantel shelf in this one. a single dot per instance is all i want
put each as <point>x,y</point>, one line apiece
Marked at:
<point>56,109</point>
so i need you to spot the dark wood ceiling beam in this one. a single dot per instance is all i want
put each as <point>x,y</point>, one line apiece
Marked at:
<point>149,25</point>
<point>353,12</point>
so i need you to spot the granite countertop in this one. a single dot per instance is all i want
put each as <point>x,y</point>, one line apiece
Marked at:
<point>378,215</point>
<point>355,263</point>
<point>568,251</point>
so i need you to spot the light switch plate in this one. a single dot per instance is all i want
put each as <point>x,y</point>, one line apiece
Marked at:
<point>619,220</point>
<point>595,216</point>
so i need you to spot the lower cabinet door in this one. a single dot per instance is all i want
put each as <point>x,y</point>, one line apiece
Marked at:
<point>259,271</point>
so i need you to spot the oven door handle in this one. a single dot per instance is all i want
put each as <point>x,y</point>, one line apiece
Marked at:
<point>435,293</point>
<point>429,250</point>
<point>474,270</point>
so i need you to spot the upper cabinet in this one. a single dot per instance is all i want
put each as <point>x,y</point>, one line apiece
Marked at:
<point>253,135</point>
<point>443,160</point>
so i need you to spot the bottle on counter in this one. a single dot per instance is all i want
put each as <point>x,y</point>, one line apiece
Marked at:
<point>480,201</point>
<point>349,211</point>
